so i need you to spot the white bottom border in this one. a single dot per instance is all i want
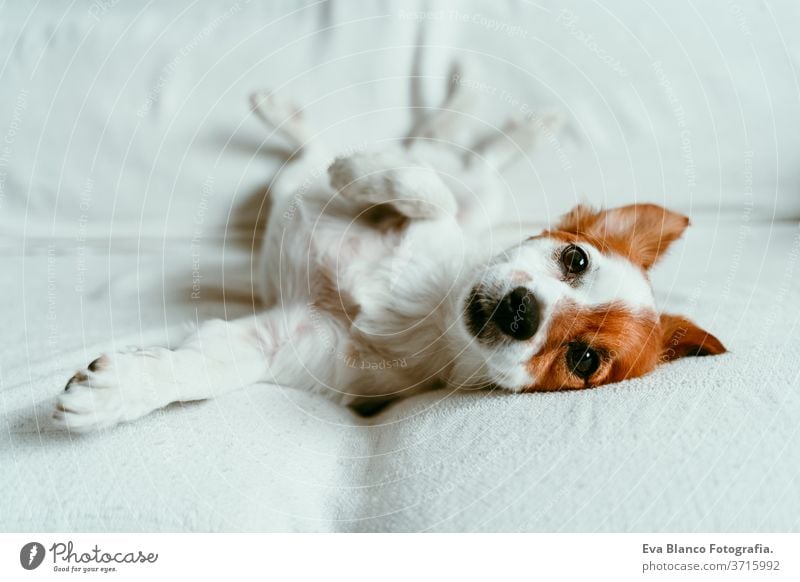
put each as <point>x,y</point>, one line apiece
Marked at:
<point>389,557</point>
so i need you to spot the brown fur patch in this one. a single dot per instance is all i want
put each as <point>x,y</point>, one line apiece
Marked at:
<point>639,232</point>
<point>327,296</point>
<point>680,338</point>
<point>630,345</point>
<point>627,343</point>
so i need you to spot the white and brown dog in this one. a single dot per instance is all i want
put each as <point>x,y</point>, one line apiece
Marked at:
<point>378,287</point>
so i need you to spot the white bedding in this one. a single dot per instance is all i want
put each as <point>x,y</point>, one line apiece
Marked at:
<point>130,165</point>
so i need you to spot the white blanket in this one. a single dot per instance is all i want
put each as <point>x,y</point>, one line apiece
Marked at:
<point>131,169</point>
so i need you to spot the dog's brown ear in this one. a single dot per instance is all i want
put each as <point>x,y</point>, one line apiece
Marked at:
<point>640,232</point>
<point>681,338</point>
<point>579,220</point>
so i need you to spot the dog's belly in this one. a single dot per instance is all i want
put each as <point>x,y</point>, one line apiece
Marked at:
<point>323,252</point>
<point>369,289</point>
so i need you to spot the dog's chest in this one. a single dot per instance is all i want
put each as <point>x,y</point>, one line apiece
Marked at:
<point>359,263</point>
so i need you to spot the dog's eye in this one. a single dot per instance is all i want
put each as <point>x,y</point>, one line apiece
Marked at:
<point>574,259</point>
<point>582,360</point>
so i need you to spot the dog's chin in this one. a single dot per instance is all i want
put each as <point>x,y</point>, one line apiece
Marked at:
<point>516,382</point>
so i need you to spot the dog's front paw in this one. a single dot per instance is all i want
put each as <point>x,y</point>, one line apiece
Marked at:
<point>392,177</point>
<point>112,389</point>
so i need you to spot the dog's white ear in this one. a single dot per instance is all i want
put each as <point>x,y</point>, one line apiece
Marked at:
<point>392,177</point>
<point>641,232</point>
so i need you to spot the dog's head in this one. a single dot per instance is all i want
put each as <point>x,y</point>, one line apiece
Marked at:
<point>573,307</point>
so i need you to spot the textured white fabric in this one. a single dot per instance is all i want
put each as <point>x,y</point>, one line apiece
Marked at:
<point>130,165</point>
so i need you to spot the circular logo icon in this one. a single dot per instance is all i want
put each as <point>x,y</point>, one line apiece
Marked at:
<point>31,555</point>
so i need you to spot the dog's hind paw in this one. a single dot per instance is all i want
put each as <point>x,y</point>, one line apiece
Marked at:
<point>282,115</point>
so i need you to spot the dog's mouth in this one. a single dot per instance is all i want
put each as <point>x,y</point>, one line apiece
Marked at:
<point>478,313</point>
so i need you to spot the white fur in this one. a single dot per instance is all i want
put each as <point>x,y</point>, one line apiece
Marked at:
<point>354,309</point>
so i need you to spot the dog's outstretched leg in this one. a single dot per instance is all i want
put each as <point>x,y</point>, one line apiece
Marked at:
<point>283,116</point>
<point>286,118</point>
<point>220,357</point>
<point>449,123</point>
<point>514,140</point>
<point>455,123</point>
<point>123,386</point>
<point>290,187</point>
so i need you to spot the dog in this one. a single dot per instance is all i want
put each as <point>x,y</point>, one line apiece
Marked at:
<point>378,285</point>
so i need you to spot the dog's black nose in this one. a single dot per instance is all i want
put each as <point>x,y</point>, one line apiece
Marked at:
<point>517,314</point>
